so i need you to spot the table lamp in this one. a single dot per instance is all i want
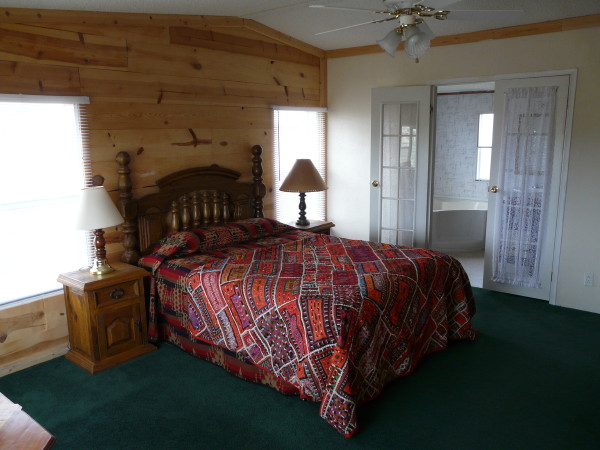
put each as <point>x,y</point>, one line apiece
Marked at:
<point>97,211</point>
<point>303,178</point>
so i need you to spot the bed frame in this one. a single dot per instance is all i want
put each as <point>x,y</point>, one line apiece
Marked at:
<point>187,199</point>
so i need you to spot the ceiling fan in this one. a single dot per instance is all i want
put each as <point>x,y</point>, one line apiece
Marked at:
<point>412,28</point>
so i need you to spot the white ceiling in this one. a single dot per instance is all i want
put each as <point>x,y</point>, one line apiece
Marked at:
<point>296,19</point>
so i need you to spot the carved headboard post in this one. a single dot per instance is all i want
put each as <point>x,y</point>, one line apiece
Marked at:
<point>131,254</point>
<point>257,181</point>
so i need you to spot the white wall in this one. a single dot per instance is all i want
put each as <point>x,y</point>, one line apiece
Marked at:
<point>351,79</point>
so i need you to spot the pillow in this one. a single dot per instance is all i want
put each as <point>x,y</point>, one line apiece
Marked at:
<point>182,243</point>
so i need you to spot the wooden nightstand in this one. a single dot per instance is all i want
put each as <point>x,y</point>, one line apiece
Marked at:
<point>315,226</point>
<point>106,316</point>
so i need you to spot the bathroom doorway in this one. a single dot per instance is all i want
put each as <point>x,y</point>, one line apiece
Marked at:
<point>464,117</point>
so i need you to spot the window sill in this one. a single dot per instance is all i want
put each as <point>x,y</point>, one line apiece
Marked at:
<point>23,301</point>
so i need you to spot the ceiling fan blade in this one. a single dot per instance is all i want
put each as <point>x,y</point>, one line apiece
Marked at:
<point>490,14</point>
<point>355,25</point>
<point>276,9</point>
<point>342,8</point>
<point>437,4</point>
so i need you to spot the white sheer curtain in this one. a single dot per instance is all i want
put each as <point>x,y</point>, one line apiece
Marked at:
<point>524,179</point>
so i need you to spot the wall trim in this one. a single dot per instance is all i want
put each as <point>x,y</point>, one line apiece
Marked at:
<point>554,26</point>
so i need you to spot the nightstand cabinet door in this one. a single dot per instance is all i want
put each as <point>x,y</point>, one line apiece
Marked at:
<point>119,330</point>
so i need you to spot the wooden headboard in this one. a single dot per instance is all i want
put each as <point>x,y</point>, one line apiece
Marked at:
<point>186,199</point>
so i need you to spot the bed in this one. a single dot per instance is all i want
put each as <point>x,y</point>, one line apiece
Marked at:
<point>332,320</point>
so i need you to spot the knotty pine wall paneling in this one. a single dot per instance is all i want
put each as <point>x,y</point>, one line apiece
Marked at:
<point>173,91</point>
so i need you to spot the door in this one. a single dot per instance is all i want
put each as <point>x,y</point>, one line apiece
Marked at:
<point>529,139</point>
<point>400,167</point>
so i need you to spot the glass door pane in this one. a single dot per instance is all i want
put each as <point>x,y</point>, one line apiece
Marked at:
<point>398,173</point>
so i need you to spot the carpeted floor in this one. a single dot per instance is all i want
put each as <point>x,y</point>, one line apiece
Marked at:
<point>530,381</point>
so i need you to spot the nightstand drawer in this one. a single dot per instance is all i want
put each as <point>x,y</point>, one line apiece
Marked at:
<point>116,293</point>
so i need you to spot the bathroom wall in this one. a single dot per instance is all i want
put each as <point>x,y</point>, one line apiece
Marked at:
<point>457,124</point>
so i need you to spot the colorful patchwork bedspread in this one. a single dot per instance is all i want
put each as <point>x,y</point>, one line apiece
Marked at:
<point>336,318</point>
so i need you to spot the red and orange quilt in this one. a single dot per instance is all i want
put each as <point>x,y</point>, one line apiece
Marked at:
<point>336,318</point>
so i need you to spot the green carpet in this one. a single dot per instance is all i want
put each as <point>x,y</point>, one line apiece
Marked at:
<point>530,381</point>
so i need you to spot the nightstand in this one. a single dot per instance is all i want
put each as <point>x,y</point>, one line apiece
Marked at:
<point>315,226</point>
<point>106,315</point>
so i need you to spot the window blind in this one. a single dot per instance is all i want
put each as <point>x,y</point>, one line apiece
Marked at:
<point>44,162</point>
<point>299,133</point>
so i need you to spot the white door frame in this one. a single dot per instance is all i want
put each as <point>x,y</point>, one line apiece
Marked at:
<point>572,73</point>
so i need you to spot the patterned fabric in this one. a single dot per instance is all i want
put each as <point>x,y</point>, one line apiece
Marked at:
<point>172,262</point>
<point>335,318</point>
<point>177,245</point>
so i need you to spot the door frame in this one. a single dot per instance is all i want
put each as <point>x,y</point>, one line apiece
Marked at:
<point>572,74</point>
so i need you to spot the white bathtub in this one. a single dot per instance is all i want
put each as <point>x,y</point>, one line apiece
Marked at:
<point>458,224</point>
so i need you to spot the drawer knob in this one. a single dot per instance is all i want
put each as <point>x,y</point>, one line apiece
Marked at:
<point>117,293</point>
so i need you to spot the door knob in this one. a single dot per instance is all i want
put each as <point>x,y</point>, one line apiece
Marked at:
<point>374,183</point>
<point>493,189</point>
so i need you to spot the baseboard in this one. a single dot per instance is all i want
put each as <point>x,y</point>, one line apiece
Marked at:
<point>31,359</point>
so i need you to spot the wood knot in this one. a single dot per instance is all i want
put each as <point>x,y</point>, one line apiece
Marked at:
<point>3,337</point>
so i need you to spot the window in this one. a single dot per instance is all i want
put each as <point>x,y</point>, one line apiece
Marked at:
<point>42,166</point>
<point>299,133</point>
<point>484,147</point>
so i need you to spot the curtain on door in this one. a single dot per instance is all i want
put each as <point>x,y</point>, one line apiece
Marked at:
<point>527,147</point>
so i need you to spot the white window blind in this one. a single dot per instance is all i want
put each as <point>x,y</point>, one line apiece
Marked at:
<point>299,133</point>
<point>44,162</point>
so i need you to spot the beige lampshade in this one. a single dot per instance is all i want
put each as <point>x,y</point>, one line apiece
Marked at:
<point>96,210</point>
<point>303,177</point>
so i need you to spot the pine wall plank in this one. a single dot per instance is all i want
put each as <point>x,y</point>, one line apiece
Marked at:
<point>31,333</point>
<point>173,91</point>
<point>156,81</point>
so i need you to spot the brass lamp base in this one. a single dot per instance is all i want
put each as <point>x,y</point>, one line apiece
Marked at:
<point>100,267</point>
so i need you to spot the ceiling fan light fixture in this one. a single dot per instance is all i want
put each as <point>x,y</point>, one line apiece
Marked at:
<point>417,43</point>
<point>391,41</point>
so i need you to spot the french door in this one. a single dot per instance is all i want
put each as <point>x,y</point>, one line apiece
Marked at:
<point>530,117</point>
<point>401,179</point>
<point>400,140</point>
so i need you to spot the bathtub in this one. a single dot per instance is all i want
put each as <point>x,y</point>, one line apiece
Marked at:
<point>458,225</point>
